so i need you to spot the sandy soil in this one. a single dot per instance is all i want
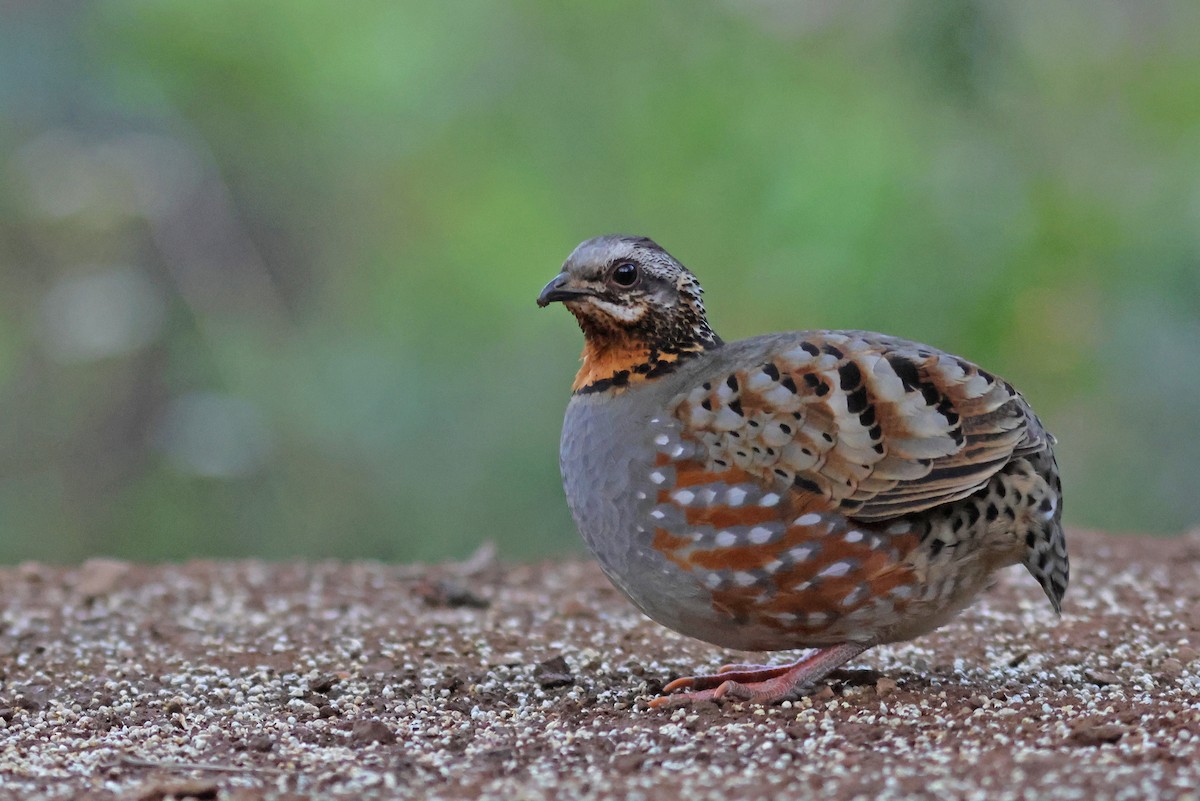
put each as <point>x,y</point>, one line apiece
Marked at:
<point>245,680</point>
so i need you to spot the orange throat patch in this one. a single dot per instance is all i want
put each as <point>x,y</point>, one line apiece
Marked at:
<point>617,364</point>
<point>615,358</point>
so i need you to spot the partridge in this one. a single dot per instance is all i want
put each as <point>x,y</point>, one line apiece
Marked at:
<point>828,490</point>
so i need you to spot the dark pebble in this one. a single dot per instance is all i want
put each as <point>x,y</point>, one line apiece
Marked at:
<point>261,743</point>
<point>323,684</point>
<point>554,672</point>
<point>366,732</point>
<point>448,592</point>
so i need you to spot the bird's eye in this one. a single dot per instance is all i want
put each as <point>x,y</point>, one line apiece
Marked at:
<point>625,274</point>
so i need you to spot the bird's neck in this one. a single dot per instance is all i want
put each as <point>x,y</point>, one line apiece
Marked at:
<point>615,360</point>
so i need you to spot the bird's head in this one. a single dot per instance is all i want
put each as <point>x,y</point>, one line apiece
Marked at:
<point>640,310</point>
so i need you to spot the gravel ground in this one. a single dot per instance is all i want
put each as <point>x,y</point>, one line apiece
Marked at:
<point>245,680</point>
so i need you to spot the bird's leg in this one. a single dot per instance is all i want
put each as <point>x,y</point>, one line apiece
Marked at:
<point>761,685</point>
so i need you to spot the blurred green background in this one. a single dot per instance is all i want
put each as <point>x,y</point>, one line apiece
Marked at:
<point>267,268</point>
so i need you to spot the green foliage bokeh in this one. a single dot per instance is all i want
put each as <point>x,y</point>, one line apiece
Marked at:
<point>267,269</point>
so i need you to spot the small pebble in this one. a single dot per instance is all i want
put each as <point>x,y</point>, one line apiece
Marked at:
<point>370,731</point>
<point>1102,677</point>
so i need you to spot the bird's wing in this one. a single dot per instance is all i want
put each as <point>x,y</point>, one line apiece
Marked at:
<point>870,427</point>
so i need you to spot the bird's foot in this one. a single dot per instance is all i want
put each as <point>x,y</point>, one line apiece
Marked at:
<point>766,685</point>
<point>759,684</point>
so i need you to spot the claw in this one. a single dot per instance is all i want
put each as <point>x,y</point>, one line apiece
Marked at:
<point>681,683</point>
<point>684,699</point>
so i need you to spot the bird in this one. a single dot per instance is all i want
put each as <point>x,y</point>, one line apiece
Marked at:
<point>826,490</point>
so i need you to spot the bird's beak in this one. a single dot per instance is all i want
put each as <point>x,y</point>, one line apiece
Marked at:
<point>559,289</point>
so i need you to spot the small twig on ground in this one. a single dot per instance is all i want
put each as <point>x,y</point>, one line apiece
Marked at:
<point>479,561</point>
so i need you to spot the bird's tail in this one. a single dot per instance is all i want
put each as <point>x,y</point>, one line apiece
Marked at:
<point>1045,555</point>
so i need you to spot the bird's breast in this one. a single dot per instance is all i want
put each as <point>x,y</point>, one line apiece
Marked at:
<point>612,475</point>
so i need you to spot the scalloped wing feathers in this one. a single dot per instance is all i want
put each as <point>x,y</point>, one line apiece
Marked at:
<point>872,427</point>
